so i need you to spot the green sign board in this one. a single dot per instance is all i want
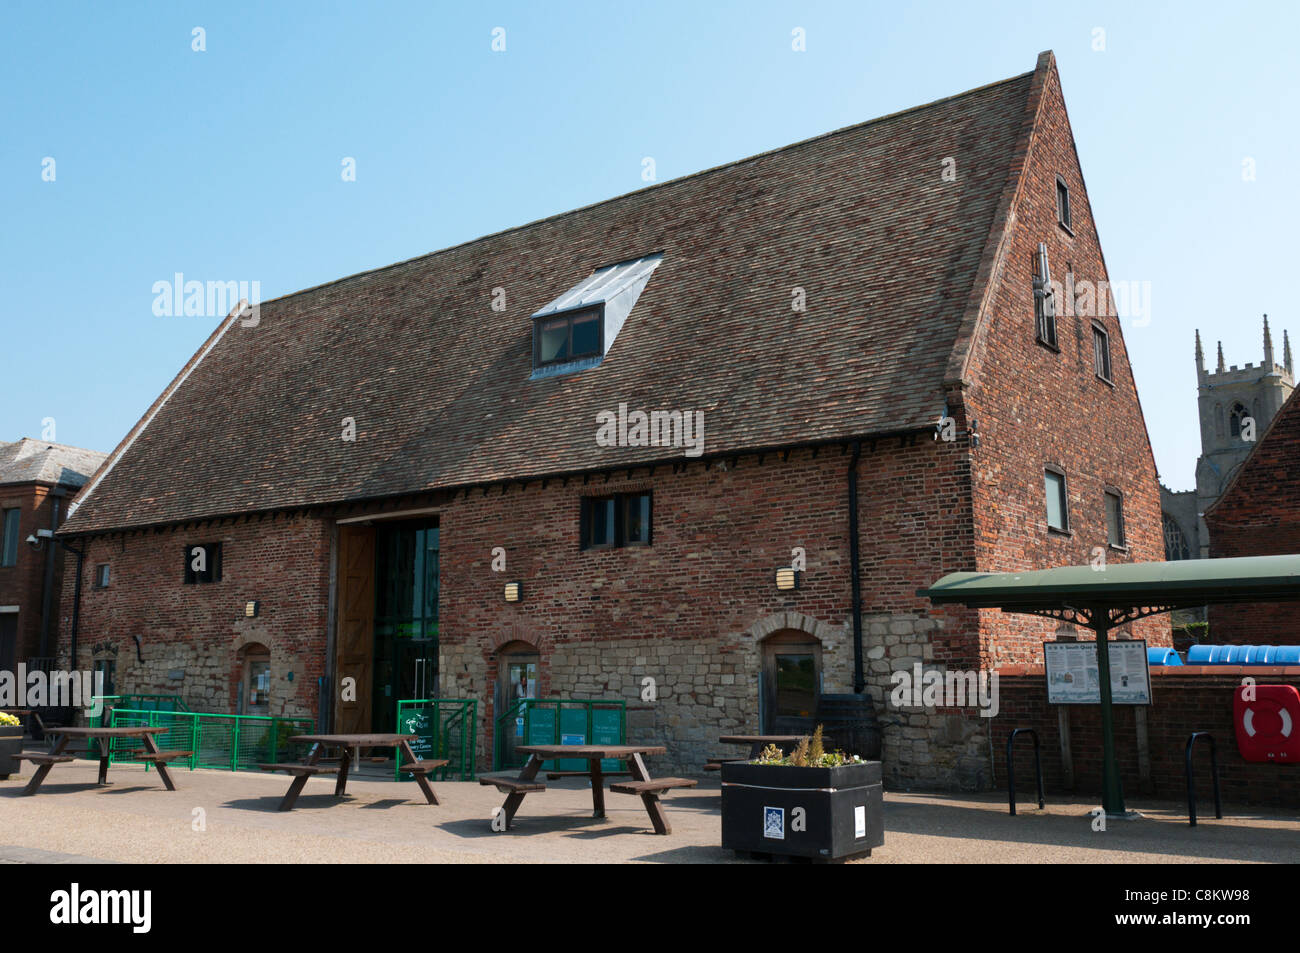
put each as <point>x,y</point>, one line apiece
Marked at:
<point>417,722</point>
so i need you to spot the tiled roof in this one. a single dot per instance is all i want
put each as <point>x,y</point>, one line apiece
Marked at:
<point>862,219</point>
<point>38,461</point>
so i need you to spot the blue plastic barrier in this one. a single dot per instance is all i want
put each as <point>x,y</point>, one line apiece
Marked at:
<point>1163,657</point>
<point>1243,655</point>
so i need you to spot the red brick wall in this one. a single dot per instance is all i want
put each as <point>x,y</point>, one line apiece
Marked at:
<point>23,583</point>
<point>1185,699</point>
<point>719,536</point>
<point>1035,406</point>
<point>283,563</point>
<point>1259,515</point>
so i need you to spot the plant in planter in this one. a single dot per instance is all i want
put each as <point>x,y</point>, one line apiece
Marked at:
<point>11,744</point>
<point>814,803</point>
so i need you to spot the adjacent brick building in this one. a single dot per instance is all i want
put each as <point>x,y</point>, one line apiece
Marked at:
<point>852,317</point>
<point>1259,515</point>
<point>37,481</point>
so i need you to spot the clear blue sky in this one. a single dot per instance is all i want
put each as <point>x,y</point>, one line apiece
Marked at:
<point>225,164</point>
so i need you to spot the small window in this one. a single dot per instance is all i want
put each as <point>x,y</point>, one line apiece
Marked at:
<point>9,549</point>
<point>1058,513</point>
<point>203,563</point>
<point>1062,203</point>
<point>1115,518</point>
<point>1235,424</point>
<point>1044,300</point>
<point>567,337</point>
<point>1101,352</point>
<point>609,521</point>
<point>101,576</point>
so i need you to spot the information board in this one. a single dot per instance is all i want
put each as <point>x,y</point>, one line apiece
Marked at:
<point>1072,673</point>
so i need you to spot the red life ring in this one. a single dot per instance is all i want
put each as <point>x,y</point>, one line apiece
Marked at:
<point>1268,727</point>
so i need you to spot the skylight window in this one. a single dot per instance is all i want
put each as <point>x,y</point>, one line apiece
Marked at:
<point>576,330</point>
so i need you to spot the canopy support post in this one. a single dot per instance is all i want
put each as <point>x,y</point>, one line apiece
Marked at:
<point>1112,791</point>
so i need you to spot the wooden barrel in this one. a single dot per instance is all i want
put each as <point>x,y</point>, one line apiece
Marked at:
<point>849,724</point>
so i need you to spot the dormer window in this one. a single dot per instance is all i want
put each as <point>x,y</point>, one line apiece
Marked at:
<point>568,337</point>
<point>577,329</point>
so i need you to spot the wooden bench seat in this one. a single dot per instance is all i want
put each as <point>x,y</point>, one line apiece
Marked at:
<point>302,770</point>
<point>715,764</point>
<point>513,785</point>
<point>556,775</point>
<point>164,756</point>
<point>424,767</point>
<point>41,757</point>
<point>653,786</point>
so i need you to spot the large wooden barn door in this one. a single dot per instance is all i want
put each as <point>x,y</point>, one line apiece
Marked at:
<point>356,626</point>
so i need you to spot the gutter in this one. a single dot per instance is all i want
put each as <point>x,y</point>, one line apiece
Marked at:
<point>855,572</point>
<point>47,591</point>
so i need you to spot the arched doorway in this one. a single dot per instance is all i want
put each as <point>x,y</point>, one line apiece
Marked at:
<point>254,679</point>
<point>791,683</point>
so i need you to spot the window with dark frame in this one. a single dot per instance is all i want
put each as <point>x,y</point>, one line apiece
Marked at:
<point>1062,202</point>
<point>1058,509</point>
<point>570,336</point>
<point>1101,352</point>
<point>608,522</point>
<point>202,563</point>
<point>1044,302</point>
<point>101,576</point>
<point>9,545</point>
<point>1115,518</point>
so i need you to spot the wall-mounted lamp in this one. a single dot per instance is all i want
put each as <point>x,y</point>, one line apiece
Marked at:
<point>787,579</point>
<point>251,609</point>
<point>514,591</point>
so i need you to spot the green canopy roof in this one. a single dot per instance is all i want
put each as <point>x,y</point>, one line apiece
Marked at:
<point>1189,582</point>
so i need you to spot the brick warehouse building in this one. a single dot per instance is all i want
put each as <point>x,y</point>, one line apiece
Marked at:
<point>37,482</point>
<point>374,459</point>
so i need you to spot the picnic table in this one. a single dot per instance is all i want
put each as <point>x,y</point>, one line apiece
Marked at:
<point>641,784</point>
<point>756,745</point>
<point>401,745</point>
<point>45,761</point>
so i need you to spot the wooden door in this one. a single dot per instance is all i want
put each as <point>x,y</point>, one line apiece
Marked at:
<point>355,654</point>
<point>792,671</point>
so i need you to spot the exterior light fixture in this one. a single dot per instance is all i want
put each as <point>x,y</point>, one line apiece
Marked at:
<point>787,579</point>
<point>514,591</point>
<point>251,608</point>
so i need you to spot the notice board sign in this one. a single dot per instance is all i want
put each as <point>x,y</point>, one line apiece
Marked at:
<point>1072,674</point>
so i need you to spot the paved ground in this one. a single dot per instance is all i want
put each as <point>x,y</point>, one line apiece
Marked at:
<point>135,820</point>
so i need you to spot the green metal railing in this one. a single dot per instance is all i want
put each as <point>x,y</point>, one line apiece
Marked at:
<point>137,703</point>
<point>446,728</point>
<point>559,721</point>
<point>225,742</point>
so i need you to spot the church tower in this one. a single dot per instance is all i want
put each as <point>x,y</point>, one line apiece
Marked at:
<point>1236,405</point>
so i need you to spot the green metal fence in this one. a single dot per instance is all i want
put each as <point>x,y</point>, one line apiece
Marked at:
<point>446,728</point>
<point>225,742</point>
<point>559,721</point>
<point>137,703</point>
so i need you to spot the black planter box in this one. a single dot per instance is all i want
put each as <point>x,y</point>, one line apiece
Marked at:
<point>842,810</point>
<point>11,743</point>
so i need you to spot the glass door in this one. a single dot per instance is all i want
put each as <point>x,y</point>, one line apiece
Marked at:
<point>406,617</point>
<point>516,681</point>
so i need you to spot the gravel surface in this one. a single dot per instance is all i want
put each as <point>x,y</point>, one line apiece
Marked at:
<point>227,817</point>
